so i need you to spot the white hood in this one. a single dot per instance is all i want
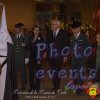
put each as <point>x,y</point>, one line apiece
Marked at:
<point>4,34</point>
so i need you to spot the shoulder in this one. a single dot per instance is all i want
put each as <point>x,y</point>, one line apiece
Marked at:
<point>83,35</point>
<point>13,35</point>
<point>25,35</point>
<point>63,33</point>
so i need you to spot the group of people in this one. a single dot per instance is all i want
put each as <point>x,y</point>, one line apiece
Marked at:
<point>76,50</point>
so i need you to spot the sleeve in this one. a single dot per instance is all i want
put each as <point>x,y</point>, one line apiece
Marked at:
<point>86,41</point>
<point>27,46</point>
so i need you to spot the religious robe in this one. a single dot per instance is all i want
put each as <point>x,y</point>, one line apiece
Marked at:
<point>7,77</point>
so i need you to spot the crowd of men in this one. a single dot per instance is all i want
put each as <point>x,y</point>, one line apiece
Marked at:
<point>57,46</point>
<point>33,49</point>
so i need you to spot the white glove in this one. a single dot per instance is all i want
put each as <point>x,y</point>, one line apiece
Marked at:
<point>38,62</point>
<point>23,45</point>
<point>65,59</point>
<point>26,60</point>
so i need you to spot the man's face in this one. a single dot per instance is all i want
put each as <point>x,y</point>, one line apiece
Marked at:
<point>18,30</point>
<point>54,26</point>
<point>75,30</point>
<point>98,38</point>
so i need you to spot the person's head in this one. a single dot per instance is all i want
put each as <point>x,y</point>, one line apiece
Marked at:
<point>98,38</point>
<point>55,24</point>
<point>36,30</point>
<point>76,27</point>
<point>19,27</point>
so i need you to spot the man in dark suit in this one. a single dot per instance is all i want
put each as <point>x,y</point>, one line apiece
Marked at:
<point>80,50</point>
<point>58,39</point>
<point>21,51</point>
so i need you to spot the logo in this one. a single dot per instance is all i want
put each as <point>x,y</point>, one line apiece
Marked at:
<point>93,91</point>
<point>73,87</point>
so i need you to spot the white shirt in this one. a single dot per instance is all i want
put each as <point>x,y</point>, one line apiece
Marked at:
<point>56,32</point>
<point>77,35</point>
<point>18,35</point>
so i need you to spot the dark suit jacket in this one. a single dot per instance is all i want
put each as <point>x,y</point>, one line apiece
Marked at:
<point>21,52</point>
<point>61,40</point>
<point>18,45</point>
<point>82,43</point>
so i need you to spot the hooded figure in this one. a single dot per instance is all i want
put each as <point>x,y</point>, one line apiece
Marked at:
<point>7,79</point>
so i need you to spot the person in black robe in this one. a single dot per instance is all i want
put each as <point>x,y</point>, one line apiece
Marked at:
<point>7,70</point>
<point>10,83</point>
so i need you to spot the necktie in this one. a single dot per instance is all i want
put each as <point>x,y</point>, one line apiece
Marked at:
<point>75,37</point>
<point>54,34</point>
<point>18,36</point>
